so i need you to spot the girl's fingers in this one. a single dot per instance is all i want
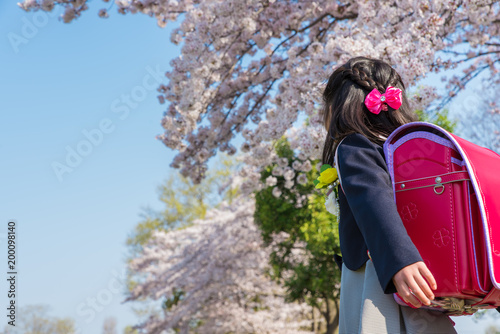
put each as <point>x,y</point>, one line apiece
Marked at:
<point>413,300</point>
<point>405,292</point>
<point>424,271</point>
<point>417,291</point>
<point>424,286</point>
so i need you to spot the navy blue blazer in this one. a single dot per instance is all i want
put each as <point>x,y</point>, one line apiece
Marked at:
<point>368,216</point>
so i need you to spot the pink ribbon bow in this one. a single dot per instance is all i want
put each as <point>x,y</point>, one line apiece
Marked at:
<point>374,101</point>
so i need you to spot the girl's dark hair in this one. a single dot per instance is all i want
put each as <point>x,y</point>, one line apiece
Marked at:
<point>344,108</point>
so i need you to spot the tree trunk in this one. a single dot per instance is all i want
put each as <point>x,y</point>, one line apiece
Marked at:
<point>331,316</point>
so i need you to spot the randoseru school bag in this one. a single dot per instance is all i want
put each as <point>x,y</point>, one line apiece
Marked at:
<point>447,191</point>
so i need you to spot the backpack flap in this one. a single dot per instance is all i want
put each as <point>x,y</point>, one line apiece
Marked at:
<point>483,167</point>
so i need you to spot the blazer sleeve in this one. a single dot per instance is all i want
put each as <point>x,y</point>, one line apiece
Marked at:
<point>367,186</point>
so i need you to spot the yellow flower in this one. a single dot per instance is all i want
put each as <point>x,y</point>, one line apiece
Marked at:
<point>319,185</point>
<point>326,177</point>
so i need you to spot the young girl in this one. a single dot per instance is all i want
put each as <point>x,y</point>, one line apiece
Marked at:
<point>365,101</point>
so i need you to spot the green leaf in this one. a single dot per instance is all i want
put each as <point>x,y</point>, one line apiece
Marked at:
<point>324,167</point>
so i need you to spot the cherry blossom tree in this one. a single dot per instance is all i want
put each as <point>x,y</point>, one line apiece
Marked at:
<point>37,319</point>
<point>254,67</point>
<point>482,114</point>
<point>184,202</point>
<point>211,277</point>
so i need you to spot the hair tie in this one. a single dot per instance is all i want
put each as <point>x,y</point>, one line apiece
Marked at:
<point>375,102</point>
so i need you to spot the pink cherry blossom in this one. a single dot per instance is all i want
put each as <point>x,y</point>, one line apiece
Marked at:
<point>220,264</point>
<point>256,67</point>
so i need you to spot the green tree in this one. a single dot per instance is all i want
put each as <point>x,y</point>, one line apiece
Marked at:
<point>301,214</point>
<point>130,330</point>
<point>441,118</point>
<point>34,319</point>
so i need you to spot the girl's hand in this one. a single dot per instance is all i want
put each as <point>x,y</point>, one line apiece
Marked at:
<point>411,284</point>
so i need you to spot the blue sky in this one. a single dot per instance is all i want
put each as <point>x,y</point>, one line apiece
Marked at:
<point>62,84</point>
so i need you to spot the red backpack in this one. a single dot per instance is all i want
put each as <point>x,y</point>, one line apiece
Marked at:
<point>447,191</point>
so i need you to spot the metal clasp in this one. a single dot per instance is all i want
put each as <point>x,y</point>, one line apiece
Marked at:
<point>439,186</point>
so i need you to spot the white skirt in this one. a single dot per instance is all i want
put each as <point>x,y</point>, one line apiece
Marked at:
<point>364,308</point>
